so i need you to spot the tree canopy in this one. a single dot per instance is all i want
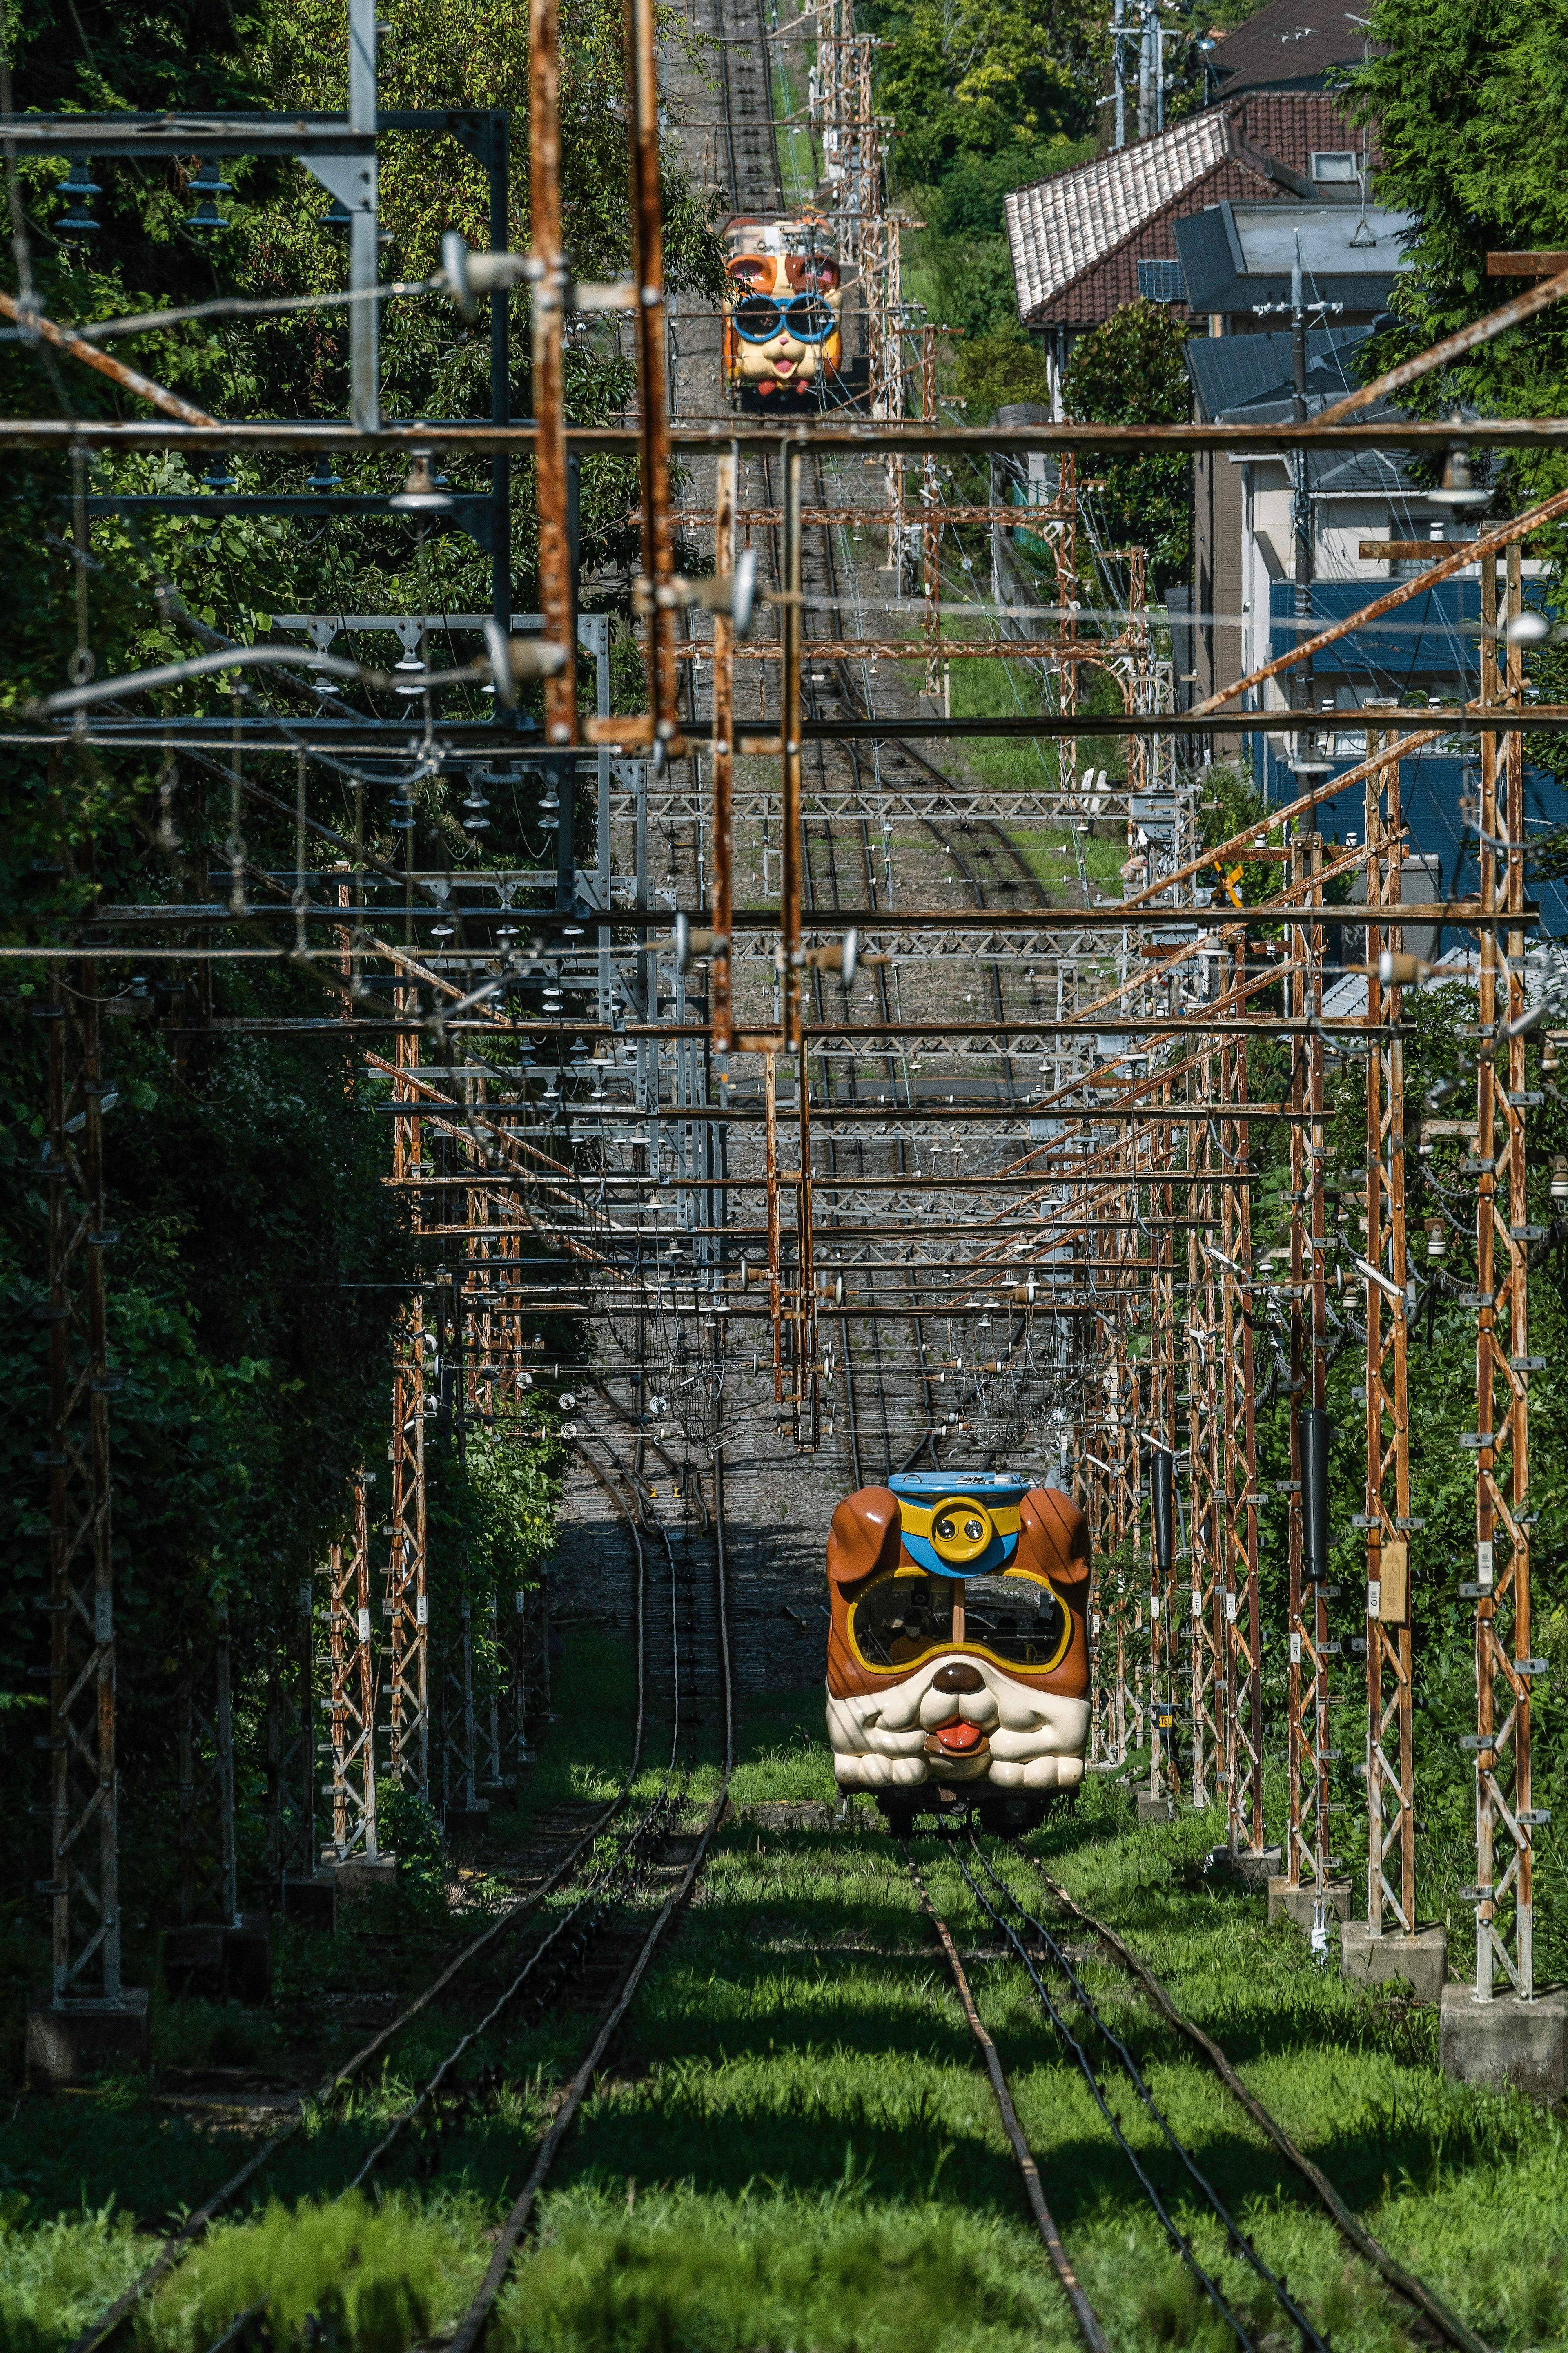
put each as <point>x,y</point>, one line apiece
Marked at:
<point>1131,371</point>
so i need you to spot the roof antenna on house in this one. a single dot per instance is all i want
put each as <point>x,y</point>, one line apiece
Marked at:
<point>1357,238</point>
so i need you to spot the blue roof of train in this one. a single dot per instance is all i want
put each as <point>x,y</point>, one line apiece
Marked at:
<point>996,1486</point>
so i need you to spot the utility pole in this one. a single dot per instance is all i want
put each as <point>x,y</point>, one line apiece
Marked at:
<point>1301,502</point>
<point>1118,56</point>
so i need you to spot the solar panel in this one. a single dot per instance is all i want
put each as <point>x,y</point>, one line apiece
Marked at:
<point>1161,281</point>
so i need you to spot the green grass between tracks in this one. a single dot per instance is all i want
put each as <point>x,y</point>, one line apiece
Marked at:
<point>794,2146</point>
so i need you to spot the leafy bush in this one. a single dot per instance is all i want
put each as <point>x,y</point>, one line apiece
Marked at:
<point>1131,371</point>
<point>1001,367</point>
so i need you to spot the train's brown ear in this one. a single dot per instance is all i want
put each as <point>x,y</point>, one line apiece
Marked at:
<point>1052,1535</point>
<point>864,1535</point>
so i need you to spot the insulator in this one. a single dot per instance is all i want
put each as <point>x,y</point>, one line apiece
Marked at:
<point>1316,1431</point>
<point>1160,1496</point>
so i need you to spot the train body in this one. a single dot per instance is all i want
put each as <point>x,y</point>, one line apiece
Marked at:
<point>957,1651</point>
<point>783,340</point>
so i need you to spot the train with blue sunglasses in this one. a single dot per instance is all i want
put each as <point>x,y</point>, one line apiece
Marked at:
<point>783,303</point>
<point>958,1668</point>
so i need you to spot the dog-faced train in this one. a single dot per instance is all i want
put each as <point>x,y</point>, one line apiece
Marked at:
<point>784,315</point>
<point>957,1651</point>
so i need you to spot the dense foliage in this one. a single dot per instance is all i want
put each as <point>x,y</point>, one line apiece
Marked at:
<point>1131,371</point>
<point>258,1285</point>
<point>1468,105</point>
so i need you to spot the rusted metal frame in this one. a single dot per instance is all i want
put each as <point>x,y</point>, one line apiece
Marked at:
<point>1218,1617</point>
<point>762,518</point>
<point>352,1723</point>
<point>1465,552</point>
<point>1233,1572</point>
<point>407,1601</point>
<point>790,968</point>
<point>476,1292</point>
<point>1515,1580</point>
<point>1513,313</point>
<point>1391,1818</point>
<point>84,1857</point>
<point>775,1232</point>
<point>1135,1500</point>
<point>127,378</point>
<point>722,839</point>
<point>1242,1256</point>
<point>1503,1605</point>
<point>1243,1676</point>
<point>1240,844</point>
<point>1165,1769</point>
<point>1486,1286</point>
<point>1164,1351</point>
<point>807,1407</point>
<point>1203,1480</point>
<point>548,307</point>
<point>1299,1665</point>
<point>609,440</point>
<point>1117,1533</point>
<point>930,503</point>
<point>1320,1738</point>
<point>653,422</point>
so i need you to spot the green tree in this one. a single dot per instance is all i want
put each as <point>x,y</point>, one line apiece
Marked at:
<point>979,78</point>
<point>997,368</point>
<point>261,1264</point>
<point>1470,108</point>
<point>1131,371</point>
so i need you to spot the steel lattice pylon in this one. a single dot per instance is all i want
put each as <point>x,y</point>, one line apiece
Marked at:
<point>407,1605</point>
<point>84,1797</point>
<point>352,1723</point>
<point>1307,1800</point>
<point>1390,1759</point>
<point>1505,1817</point>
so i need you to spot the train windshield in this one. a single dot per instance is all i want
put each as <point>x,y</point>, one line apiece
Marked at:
<point>898,1621</point>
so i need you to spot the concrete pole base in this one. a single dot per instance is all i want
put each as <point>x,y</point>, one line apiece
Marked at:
<point>1506,2041</point>
<point>70,2040</point>
<point>220,1961</point>
<point>1287,1902</point>
<point>1256,1870</point>
<point>1421,1961</point>
<point>1253,1871</point>
<point>355,1875</point>
<point>1155,1810</point>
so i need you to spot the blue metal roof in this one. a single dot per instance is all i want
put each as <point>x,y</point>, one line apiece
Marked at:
<point>1433,635</point>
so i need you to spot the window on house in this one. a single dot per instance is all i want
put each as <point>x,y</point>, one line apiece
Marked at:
<point>1335,164</point>
<point>1161,281</point>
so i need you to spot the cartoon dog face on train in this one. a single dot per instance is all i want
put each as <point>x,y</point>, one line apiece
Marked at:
<point>957,1651</point>
<point>784,304</point>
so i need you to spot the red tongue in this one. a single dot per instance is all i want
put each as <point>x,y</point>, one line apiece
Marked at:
<point>958,1736</point>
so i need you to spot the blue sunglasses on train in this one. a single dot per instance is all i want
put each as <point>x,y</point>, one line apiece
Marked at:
<point>760,317</point>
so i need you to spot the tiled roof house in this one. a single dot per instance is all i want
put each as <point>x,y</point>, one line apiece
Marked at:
<point>1077,239</point>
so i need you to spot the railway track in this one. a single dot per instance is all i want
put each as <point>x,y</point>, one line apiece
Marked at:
<point>1416,2291</point>
<point>592,1954</point>
<point>838,856</point>
<point>1092,2043</point>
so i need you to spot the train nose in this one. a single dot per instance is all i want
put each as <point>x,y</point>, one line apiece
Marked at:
<point>957,1677</point>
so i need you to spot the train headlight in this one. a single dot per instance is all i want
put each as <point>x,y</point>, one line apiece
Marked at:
<point>961,1530</point>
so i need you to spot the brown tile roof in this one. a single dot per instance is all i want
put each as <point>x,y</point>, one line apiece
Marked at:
<point>1077,239</point>
<point>1290,42</point>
